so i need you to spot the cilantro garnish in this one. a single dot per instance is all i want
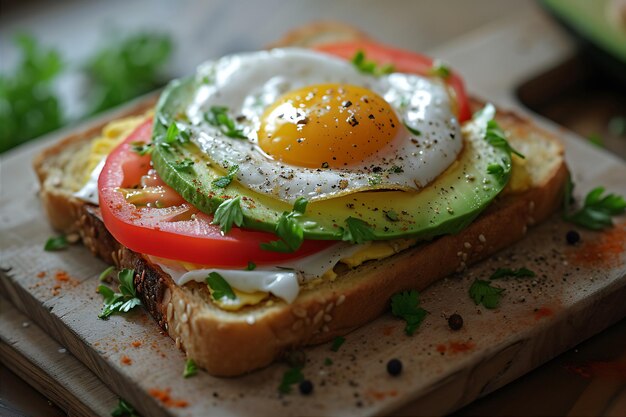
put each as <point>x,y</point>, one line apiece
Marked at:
<point>508,272</point>
<point>482,292</point>
<point>597,209</point>
<point>218,117</point>
<point>414,131</point>
<point>223,182</point>
<point>596,139</point>
<point>251,266</point>
<point>496,169</point>
<point>219,287</point>
<point>172,133</point>
<point>183,165</point>
<point>392,216</point>
<point>370,67</point>
<point>375,179</point>
<point>289,230</point>
<point>439,69</point>
<point>406,306</point>
<point>123,301</point>
<point>495,137</point>
<point>56,243</point>
<point>190,368</point>
<point>105,274</point>
<point>337,342</point>
<point>141,148</point>
<point>290,377</point>
<point>228,213</point>
<point>124,409</point>
<point>357,231</point>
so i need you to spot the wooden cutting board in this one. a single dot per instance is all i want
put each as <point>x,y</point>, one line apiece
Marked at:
<point>443,370</point>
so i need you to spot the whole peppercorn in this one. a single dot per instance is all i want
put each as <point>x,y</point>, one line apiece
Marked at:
<point>572,237</point>
<point>455,321</point>
<point>394,367</point>
<point>306,387</point>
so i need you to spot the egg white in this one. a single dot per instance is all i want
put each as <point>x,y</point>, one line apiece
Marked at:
<point>248,83</point>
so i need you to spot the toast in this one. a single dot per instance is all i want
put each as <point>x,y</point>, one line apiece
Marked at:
<point>228,343</point>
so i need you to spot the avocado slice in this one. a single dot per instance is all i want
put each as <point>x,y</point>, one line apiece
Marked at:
<point>446,206</point>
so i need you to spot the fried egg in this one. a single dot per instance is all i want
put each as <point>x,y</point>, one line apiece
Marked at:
<point>311,125</point>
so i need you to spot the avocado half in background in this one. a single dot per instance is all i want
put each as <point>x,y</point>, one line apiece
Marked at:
<point>600,26</point>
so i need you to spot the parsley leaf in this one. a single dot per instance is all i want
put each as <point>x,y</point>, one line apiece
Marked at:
<point>219,287</point>
<point>414,131</point>
<point>121,302</point>
<point>29,106</point>
<point>392,216</point>
<point>127,68</point>
<point>370,67</point>
<point>596,139</point>
<point>597,209</point>
<point>496,169</point>
<point>172,133</point>
<point>229,213</point>
<point>508,272</point>
<point>251,266</point>
<point>328,361</point>
<point>105,274</point>
<point>406,306</point>
<point>337,342</point>
<point>439,69</point>
<point>218,117</point>
<point>223,182</point>
<point>289,230</point>
<point>124,409</point>
<point>190,368</point>
<point>141,148</point>
<point>357,231</point>
<point>183,165</point>
<point>495,137</point>
<point>56,243</point>
<point>482,292</point>
<point>290,377</point>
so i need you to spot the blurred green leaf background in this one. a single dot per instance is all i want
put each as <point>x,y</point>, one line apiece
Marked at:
<point>29,105</point>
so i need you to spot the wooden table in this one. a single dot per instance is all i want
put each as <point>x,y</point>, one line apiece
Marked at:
<point>410,25</point>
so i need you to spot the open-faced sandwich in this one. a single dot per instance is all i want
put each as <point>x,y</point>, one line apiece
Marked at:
<point>281,198</point>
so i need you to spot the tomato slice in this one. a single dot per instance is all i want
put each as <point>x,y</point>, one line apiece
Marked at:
<point>167,226</point>
<point>403,61</point>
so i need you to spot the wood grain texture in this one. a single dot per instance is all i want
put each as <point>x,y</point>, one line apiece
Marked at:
<point>443,370</point>
<point>46,365</point>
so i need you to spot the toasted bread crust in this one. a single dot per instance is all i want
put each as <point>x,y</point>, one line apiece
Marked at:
<point>232,343</point>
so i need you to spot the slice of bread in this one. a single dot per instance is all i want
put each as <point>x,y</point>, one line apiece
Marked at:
<point>231,343</point>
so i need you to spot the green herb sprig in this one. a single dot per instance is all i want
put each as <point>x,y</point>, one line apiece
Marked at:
<point>508,272</point>
<point>124,409</point>
<point>370,67</point>
<point>357,231</point>
<point>218,116</point>
<point>219,287</point>
<point>406,306</point>
<point>598,209</point>
<point>337,342</point>
<point>289,229</point>
<point>191,368</point>
<point>291,377</point>
<point>223,182</point>
<point>56,243</point>
<point>121,302</point>
<point>482,292</point>
<point>228,213</point>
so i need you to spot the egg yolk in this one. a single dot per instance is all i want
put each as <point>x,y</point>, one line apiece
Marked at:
<point>327,126</point>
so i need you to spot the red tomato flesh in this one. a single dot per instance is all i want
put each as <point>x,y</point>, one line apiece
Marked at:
<point>169,227</point>
<point>403,61</point>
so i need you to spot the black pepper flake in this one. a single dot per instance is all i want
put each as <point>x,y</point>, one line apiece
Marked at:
<point>572,237</point>
<point>455,321</point>
<point>352,121</point>
<point>306,387</point>
<point>346,104</point>
<point>371,116</point>
<point>394,367</point>
<point>324,164</point>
